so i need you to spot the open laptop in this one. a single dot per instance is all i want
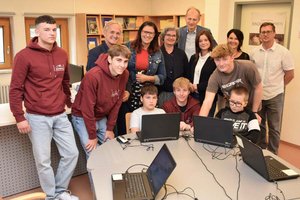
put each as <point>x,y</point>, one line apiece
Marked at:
<point>159,127</point>
<point>267,166</point>
<point>146,183</point>
<point>213,131</point>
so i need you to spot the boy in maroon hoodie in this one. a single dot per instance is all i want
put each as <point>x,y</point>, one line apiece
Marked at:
<point>96,105</point>
<point>40,79</point>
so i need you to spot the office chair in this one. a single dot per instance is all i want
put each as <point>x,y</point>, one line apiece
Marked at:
<point>127,118</point>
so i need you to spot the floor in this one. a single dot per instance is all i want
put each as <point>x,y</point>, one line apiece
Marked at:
<point>80,185</point>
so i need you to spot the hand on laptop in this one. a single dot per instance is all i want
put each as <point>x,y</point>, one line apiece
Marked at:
<point>184,126</point>
<point>109,135</point>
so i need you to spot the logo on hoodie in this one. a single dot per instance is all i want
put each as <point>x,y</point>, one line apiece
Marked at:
<point>115,93</point>
<point>59,68</point>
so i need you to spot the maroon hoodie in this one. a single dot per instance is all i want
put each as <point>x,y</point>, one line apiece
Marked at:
<point>40,78</point>
<point>100,95</point>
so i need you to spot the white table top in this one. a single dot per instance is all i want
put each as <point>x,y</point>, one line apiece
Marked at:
<point>7,118</point>
<point>110,158</point>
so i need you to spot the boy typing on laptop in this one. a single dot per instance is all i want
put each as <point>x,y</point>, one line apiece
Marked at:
<point>244,120</point>
<point>149,95</point>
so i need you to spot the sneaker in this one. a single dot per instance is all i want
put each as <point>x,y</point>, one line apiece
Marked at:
<point>66,195</point>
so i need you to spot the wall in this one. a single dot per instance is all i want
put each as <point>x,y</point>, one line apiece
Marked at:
<point>169,7</point>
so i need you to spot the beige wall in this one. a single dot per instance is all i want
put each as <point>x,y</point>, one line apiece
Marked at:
<point>171,7</point>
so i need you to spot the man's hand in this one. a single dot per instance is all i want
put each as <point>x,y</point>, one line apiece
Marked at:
<point>258,118</point>
<point>24,127</point>
<point>91,145</point>
<point>184,126</point>
<point>109,135</point>
<point>125,96</point>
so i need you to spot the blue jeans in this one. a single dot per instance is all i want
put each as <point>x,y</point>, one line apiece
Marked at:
<point>271,114</point>
<point>44,129</point>
<point>80,128</point>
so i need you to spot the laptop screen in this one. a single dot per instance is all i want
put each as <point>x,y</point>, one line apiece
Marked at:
<point>213,131</point>
<point>160,169</point>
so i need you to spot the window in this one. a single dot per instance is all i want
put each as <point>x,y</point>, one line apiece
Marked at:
<point>5,44</point>
<point>62,31</point>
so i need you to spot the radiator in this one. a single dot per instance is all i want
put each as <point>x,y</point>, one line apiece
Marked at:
<point>4,93</point>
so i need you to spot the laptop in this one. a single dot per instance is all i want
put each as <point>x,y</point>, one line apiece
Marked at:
<point>213,131</point>
<point>146,185</point>
<point>267,166</point>
<point>159,127</point>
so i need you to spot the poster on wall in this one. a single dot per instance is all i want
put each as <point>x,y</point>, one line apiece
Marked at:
<point>278,19</point>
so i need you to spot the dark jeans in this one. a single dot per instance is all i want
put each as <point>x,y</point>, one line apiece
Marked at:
<point>271,114</point>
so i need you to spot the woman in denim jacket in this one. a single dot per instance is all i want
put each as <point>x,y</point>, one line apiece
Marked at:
<point>146,63</point>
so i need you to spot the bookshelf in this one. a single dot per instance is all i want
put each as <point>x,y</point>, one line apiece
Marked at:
<point>89,29</point>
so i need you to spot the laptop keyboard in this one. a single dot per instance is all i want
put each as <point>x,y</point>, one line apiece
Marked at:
<point>275,172</point>
<point>134,186</point>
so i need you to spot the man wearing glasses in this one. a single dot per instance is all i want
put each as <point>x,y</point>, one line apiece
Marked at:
<point>276,67</point>
<point>229,73</point>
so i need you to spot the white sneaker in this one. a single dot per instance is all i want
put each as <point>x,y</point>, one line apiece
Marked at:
<point>66,195</point>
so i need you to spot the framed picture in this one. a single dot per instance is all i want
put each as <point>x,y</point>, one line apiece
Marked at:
<point>92,25</point>
<point>92,42</point>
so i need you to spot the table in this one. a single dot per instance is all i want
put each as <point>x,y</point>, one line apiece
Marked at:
<point>110,158</point>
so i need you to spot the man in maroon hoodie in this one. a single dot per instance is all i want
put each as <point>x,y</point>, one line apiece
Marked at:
<point>96,105</point>
<point>40,79</point>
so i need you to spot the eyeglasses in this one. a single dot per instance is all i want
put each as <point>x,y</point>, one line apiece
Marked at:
<point>235,103</point>
<point>148,33</point>
<point>169,35</point>
<point>266,32</point>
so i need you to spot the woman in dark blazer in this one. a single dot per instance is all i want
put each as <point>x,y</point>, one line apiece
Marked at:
<point>201,66</point>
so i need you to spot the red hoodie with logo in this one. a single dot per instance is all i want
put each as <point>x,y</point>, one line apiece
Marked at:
<point>40,78</point>
<point>100,95</point>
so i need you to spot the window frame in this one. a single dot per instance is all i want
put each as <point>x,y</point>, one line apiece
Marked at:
<point>7,46</point>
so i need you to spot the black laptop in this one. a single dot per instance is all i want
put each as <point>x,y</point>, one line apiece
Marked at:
<point>267,166</point>
<point>159,127</point>
<point>144,185</point>
<point>213,131</point>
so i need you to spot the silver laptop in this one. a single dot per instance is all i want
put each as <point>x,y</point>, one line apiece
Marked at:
<point>159,127</point>
<point>213,131</point>
<point>267,166</point>
<point>144,185</point>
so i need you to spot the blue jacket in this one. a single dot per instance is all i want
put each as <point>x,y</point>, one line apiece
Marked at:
<point>94,54</point>
<point>156,67</point>
<point>183,34</point>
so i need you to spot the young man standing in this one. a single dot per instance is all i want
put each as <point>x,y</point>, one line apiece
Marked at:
<point>97,103</point>
<point>188,33</point>
<point>40,78</point>
<point>229,73</point>
<point>276,67</point>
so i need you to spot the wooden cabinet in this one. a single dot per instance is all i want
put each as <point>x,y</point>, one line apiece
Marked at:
<point>89,29</point>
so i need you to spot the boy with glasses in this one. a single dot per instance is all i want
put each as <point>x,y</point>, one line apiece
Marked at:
<point>244,120</point>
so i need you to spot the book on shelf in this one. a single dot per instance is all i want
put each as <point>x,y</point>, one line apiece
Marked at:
<point>92,25</point>
<point>121,21</point>
<point>164,23</point>
<point>92,42</point>
<point>130,23</point>
<point>105,20</point>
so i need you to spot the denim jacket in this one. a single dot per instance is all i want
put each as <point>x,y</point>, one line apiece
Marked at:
<point>156,67</point>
